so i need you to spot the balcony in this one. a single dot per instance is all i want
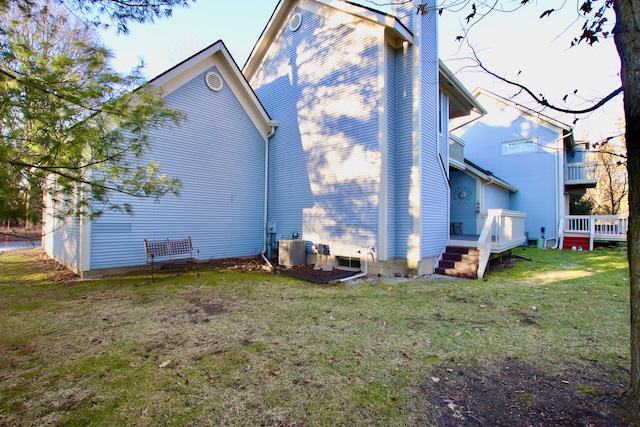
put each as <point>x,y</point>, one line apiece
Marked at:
<point>581,174</point>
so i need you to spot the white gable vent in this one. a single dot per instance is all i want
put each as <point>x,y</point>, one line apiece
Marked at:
<point>295,22</point>
<point>214,81</point>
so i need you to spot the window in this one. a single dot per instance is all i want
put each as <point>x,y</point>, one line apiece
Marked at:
<point>519,146</point>
<point>443,112</point>
<point>345,261</point>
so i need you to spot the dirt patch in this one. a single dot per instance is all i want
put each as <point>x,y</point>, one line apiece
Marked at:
<point>502,263</point>
<point>56,272</point>
<point>242,263</point>
<point>518,394</point>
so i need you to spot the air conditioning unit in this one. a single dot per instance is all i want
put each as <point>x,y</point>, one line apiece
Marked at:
<point>292,252</point>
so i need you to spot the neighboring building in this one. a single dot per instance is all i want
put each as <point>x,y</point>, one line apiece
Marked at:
<point>537,155</point>
<point>218,153</point>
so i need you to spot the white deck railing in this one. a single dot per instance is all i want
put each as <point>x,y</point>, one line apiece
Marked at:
<point>503,230</point>
<point>597,227</point>
<point>581,172</point>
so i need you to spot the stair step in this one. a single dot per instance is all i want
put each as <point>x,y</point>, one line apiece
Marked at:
<point>446,263</point>
<point>460,266</point>
<point>460,257</point>
<point>458,261</point>
<point>461,250</point>
<point>456,273</point>
<point>466,266</point>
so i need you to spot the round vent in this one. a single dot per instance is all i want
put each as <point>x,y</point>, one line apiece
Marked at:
<point>295,22</point>
<point>214,81</point>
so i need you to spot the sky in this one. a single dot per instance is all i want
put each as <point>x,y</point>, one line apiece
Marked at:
<point>518,45</point>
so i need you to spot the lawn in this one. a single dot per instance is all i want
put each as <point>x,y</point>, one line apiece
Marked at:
<point>540,341</point>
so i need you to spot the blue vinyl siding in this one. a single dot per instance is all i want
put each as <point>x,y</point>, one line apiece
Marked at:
<point>495,198</point>
<point>391,151</point>
<point>218,155</point>
<point>404,148</point>
<point>434,183</point>
<point>577,155</point>
<point>464,209</point>
<point>405,12</point>
<point>66,241</point>
<point>533,173</point>
<point>320,83</point>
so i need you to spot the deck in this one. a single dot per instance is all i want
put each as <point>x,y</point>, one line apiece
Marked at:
<point>595,228</point>
<point>503,230</point>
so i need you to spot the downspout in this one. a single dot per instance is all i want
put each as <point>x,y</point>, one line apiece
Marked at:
<point>559,188</point>
<point>558,220</point>
<point>273,125</point>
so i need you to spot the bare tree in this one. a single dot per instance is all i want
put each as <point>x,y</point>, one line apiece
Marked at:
<point>610,195</point>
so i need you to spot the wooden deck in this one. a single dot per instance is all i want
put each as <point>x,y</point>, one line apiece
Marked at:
<point>593,228</point>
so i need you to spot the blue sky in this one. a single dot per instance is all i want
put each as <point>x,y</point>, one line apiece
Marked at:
<point>507,43</point>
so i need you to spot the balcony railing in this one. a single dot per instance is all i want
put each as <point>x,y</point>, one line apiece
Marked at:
<point>581,173</point>
<point>612,228</point>
<point>503,230</point>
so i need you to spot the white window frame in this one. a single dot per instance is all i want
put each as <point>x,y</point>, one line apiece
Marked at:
<point>520,146</point>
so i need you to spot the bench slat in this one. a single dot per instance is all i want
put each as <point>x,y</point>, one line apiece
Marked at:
<point>168,248</point>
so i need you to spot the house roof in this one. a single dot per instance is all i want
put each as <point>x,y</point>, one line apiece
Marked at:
<point>463,164</point>
<point>487,175</point>
<point>217,55</point>
<point>563,128</point>
<point>461,98</point>
<point>459,94</point>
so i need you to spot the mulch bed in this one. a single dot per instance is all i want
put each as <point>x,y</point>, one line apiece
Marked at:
<point>304,272</point>
<point>311,274</point>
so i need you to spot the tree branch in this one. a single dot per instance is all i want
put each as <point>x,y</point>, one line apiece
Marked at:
<point>542,100</point>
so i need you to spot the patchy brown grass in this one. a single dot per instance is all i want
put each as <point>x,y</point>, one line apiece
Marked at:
<point>541,342</point>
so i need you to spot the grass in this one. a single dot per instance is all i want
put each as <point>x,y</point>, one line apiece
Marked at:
<point>237,348</point>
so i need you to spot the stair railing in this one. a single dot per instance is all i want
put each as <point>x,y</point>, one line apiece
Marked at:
<point>485,243</point>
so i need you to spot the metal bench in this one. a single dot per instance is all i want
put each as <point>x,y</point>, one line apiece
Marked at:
<point>169,249</point>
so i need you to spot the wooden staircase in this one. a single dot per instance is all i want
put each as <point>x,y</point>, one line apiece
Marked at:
<point>459,262</point>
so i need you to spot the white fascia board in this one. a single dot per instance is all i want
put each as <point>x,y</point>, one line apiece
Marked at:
<point>452,86</point>
<point>457,139</point>
<point>268,34</point>
<point>216,55</point>
<point>456,164</point>
<point>368,14</point>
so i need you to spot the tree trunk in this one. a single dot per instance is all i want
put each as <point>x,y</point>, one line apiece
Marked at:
<point>627,39</point>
